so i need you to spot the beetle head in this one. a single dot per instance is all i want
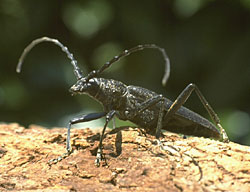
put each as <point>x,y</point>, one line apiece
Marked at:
<point>83,86</point>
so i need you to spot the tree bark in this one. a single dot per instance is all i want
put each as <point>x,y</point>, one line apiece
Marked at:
<point>133,162</point>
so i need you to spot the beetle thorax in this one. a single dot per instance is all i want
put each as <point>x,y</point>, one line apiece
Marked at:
<point>112,93</point>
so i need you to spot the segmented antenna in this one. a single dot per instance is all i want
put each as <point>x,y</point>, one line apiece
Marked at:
<point>132,50</point>
<point>77,70</point>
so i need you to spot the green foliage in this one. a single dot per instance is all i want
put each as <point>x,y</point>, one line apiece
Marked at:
<point>208,43</point>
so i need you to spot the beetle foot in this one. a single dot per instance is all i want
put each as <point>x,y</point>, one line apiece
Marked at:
<point>225,138</point>
<point>98,157</point>
<point>60,158</point>
<point>223,133</point>
<point>168,148</point>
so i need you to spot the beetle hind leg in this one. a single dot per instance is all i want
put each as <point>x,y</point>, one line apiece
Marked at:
<point>182,98</point>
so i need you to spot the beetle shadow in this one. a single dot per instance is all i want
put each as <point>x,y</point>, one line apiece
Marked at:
<point>118,141</point>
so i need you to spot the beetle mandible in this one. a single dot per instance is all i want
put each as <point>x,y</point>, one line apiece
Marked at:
<point>147,109</point>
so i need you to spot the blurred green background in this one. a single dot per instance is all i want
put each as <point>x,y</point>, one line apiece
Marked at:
<point>207,41</point>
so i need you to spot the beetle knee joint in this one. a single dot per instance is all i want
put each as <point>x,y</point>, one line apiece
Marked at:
<point>192,85</point>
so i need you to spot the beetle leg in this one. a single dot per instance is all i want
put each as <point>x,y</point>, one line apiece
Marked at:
<point>114,124</point>
<point>109,116</point>
<point>81,119</point>
<point>182,98</point>
<point>149,103</point>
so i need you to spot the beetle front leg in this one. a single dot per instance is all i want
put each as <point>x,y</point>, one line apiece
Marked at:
<point>109,116</point>
<point>81,119</point>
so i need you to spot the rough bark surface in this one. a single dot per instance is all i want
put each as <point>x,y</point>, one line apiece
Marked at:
<point>133,162</point>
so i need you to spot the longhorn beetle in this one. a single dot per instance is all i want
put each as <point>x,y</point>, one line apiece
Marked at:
<point>141,106</point>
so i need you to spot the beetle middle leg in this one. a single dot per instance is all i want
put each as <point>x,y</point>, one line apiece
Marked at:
<point>150,102</point>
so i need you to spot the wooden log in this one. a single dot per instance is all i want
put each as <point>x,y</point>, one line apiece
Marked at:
<point>133,162</point>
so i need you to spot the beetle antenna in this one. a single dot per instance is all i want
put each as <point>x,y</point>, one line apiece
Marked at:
<point>77,70</point>
<point>132,50</point>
